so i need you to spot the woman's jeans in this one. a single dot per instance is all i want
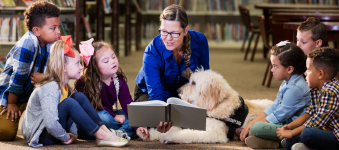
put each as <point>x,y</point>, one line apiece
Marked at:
<point>315,138</point>
<point>79,110</point>
<point>110,123</point>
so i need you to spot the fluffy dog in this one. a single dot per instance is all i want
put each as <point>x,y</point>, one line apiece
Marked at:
<point>209,90</point>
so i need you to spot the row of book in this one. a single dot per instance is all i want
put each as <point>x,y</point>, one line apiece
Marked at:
<point>194,5</point>
<point>12,29</point>
<point>14,3</point>
<point>213,31</point>
<point>321,2</point>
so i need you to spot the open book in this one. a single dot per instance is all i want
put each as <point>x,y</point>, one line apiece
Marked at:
<point>177,111</point>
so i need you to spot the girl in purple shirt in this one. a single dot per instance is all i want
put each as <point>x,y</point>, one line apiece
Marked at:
<point>103,82</point>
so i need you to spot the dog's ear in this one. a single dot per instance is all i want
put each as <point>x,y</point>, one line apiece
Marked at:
<point>211,94</point>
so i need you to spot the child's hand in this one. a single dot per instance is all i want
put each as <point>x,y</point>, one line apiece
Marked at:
<point>245,132</point>
<point>13,111</point>
<point>284,133</point>
<point>72,139</point>
<point>36,77</point>
<point>143,133</point>
<point>286,127</point>
<point>120,118</point>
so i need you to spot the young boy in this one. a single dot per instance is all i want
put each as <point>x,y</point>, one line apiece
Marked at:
<point>319,127</point>
<point>311,34</point>
<point>25,64</point>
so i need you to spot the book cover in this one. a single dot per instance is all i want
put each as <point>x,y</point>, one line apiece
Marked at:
<point>177,111</point>
<point>5,29</point>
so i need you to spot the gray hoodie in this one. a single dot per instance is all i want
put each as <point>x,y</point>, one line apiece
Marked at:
<point>42,113</point>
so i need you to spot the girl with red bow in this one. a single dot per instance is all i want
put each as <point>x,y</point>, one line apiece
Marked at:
<point>53,110</point>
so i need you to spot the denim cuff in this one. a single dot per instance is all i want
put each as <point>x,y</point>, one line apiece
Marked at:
<point>272,119</point>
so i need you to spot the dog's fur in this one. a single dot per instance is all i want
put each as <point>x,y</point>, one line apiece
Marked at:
<point>209,90</point>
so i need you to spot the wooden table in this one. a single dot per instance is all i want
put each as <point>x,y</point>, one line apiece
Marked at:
<point>332,31</point>
<point>266,8</point>
<point>290,16</point>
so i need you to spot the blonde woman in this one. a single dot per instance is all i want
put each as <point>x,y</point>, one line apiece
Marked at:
<point>53,109</point>
<point>170,58</point>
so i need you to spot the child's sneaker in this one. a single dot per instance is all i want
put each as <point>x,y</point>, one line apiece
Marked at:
<point>256,142</point>
<point>301,146</point>
<point>120,134</point>
<point>283,143</point>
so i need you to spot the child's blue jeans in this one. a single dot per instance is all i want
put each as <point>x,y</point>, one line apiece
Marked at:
<point>110,123</point>
<point>75,108</point>
<point>315,138</point>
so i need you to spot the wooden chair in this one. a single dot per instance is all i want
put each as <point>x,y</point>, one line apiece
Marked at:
<point>246,20</point>
<point>264,35</point>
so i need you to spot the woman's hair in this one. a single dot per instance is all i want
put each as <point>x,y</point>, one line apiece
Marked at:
<point>92,76</point>
<point>177,13</point>
<point>55,67</point>
<point>290,55</point>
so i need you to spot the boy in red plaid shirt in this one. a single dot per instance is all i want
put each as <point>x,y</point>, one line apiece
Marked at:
<point>318,128</point>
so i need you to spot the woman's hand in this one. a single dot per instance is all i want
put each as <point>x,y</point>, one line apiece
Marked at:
<point>245,132</point>
<point>72,139</point>
<point>164,127</point>
<point>143,133</point>
<point>120,118</point>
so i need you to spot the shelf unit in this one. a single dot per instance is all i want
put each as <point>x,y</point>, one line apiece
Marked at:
<point>77,11</point>
<point>201,17</point>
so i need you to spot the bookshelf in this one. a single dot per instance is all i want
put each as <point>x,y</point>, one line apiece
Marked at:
<point>205,17</point>
<point>69,13</point>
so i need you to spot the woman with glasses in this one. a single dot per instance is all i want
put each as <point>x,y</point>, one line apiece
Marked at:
<point>170,58</point>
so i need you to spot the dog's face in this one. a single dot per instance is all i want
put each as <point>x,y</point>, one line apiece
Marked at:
<point>206,89</point>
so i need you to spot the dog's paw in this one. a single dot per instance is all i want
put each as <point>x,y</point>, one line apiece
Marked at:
<point>142,135</point>
<point>166,140</point>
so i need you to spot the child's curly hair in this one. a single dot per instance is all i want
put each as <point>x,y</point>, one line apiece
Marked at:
<point>290,55</point>
<point>36,14</point>
<point>325,58</point>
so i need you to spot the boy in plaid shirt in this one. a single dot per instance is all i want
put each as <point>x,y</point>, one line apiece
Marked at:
<point>318,128</point>
<point>26,63</point>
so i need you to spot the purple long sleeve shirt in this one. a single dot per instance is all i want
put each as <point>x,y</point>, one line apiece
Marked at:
<point>109,95</point>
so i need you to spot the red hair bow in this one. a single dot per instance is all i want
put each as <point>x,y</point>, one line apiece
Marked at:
<point>69,43</point>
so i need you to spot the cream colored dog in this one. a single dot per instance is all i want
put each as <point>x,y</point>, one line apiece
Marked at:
<point>209,90</point>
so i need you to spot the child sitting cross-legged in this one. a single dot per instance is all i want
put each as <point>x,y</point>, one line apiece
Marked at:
<point>318,127</point>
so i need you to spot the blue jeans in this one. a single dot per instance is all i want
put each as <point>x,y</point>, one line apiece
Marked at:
<point>315,138</point>
<point>110,123</point>
<point>78,109</point>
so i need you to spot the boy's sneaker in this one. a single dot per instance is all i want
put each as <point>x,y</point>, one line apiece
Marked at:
<point>256,142</point>
<point>301,146</point>
<point>120,134</point>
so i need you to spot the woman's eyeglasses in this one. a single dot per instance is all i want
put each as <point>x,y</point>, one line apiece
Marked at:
<point>173,34</point>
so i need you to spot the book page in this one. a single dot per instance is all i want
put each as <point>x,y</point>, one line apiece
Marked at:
<point>177,101</point>
<point>149,103</point>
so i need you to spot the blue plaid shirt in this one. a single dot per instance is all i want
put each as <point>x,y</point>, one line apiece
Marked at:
<point>24,58</point>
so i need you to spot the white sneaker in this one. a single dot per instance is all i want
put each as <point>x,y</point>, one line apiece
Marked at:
<point>301,146</point>
<point>120,134</point>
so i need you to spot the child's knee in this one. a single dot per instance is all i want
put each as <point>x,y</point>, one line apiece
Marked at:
<point>8,133</point>
<point>78,95</point>
<point>257,128</point>
<point>105,117</point>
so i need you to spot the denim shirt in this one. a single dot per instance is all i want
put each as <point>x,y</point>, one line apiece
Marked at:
<point>160,76</point>
<point>292,101</point>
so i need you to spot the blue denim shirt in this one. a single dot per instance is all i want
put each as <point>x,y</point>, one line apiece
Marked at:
<point>292,101</point>
<point>160,76</point>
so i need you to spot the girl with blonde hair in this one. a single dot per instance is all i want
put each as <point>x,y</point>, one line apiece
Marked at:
<point>53,109</point>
